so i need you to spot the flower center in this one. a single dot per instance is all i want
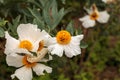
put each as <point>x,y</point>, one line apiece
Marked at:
<point>26,45</point>
<point>41,45</point>
<point>94,16</point>
<point>26,63</point>
<point>63,37</point>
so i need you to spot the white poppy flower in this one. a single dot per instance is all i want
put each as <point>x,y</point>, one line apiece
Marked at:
<point>30,39</point>
<point>25,67</point>
<point>65,43</point>
<point>94,15</point>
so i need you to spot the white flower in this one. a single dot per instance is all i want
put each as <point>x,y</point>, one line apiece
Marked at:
<point>25,67</point>
<point>64,43</point>
<point>108,1</point>
<point>94,15</point>
<point>30,39</point>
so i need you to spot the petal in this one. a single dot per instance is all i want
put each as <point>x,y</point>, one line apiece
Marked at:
<point>40,68</point>
<point>87,22</point>
<point>68,52</point>
<point>78,38</point>
<point>105,1</point>
<point>15,61</point>
<point>84,18</point>
<point>103,17</point>
<point>51,41</point>
<point>28,32</point>
<point>56,49</point>
<point>36,46</point>
<point>23,74</point>
<point>20,51</point>
<point>44,34</point>
<point>72,50</point>
<point>11,43</point>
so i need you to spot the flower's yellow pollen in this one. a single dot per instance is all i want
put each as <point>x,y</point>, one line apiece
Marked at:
<point>26,45</point>
<point>94,16</point>
<point>41,45</point>
<point>26,63</point>
<point>63,37</point>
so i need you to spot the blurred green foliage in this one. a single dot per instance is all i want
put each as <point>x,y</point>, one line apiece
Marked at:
<point>99,61</point>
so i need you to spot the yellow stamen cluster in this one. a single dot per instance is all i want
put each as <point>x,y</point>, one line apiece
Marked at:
<point>26,45</point>
<point>63,37</point>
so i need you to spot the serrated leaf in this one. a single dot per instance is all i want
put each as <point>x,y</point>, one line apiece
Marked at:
<point>54,10</point>
<point>16,22</point>
<point>78,31</point>
<point>36,3</point>
<point>2,32</point>
<point>3,22</point>
<point>51,14</point>
<point>47,12</point>
<point>37,18</point>
<point>70,27</point>
<point>63,1</point>
<point>40,23</point>
<point>43,2</point>
<point>35,13</point>
<point>13,27</point>
<point>58,18</point>
<point>26,13</point>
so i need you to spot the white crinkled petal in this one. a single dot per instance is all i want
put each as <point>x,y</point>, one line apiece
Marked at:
<point>35,46</point>
<point>78,38</point>
<point>23,73</point>
<point>72,50</point>
<point>28,32</point>
<point>11,43</point>
<point>51,41</point>
<point>15,61</point>
<point>43,36</point>
<point>40,68</point>
<point>56,49</point>
<point>87,22</point>
<point>103,17</point>
<point>20,51</point>
<point>68,51</point>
